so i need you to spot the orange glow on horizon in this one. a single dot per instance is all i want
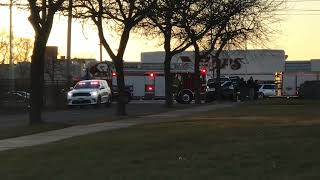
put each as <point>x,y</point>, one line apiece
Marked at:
<point>298,35</point>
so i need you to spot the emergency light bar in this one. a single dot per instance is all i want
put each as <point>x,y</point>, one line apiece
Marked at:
<point>94,83</point>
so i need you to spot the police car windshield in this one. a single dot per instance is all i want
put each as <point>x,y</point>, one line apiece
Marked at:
<point>87,85</point>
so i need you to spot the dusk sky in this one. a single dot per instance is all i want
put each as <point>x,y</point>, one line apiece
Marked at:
<point>299,34</point>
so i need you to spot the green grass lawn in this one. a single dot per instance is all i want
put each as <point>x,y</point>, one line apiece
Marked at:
<point>262,140</point>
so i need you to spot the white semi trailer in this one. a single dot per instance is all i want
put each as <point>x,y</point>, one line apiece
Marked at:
<point>291,81</point>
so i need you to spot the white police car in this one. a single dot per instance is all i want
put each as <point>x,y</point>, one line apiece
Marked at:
<point>90,92</point>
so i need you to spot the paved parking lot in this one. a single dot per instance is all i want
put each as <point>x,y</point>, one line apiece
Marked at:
<point>88,114</point>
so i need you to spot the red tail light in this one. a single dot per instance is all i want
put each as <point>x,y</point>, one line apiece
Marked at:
<point>152,74</point>
<point>149,88</point>
<point>203,70</point>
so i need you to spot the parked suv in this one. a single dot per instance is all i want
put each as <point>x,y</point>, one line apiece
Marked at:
<point>90,92</point>
<point>266,90</point>
<point>227,90</point>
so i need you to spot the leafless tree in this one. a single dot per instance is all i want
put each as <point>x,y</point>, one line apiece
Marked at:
<point>4,47</point>
<point>230,24</point>
<point>197,19</point>
<point>22,49</point>
<point>122,16</point>
<point>164,20</point>
<point>41,18</point>
<point>252,23</point>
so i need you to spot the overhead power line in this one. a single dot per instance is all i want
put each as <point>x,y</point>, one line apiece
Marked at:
<point>297,14</point>
<point>301,1</point>
<point>304,10</point>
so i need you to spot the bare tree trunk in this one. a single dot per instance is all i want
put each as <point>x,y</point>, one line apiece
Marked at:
<point>37,80</point>
<point>168,80</point>
<point>42,25</point>
<point>218,69</point>
<point>197,74</point>
<point>121,107</point>
<point>218,72</point>
<point>213,62</point>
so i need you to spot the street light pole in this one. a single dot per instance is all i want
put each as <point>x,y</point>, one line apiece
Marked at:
<point>69,43</point>
<point>11,63</point>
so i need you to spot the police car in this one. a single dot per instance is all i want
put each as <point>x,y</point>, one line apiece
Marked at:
<point>90,92</point>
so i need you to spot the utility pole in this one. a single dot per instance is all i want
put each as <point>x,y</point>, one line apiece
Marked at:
<point>69,43</point>
<point>12,79</point>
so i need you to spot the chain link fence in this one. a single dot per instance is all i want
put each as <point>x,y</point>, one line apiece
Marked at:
<point>54,94</point>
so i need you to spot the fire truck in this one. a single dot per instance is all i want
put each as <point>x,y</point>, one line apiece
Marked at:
<point>147,80</point>
<point>105,70</point>
<point>101,70</point>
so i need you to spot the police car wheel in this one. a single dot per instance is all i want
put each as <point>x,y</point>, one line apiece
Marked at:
<point>98,102</point>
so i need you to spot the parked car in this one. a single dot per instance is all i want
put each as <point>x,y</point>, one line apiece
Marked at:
<point>266,90</point>
<point>234,79</point>
<point>227,89</point>
<point>19,95</point>
<point>90,92</point>
<point>222,80</point>
<point>128,92</point>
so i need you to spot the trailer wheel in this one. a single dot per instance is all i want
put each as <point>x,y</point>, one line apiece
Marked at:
<point>185,97</point>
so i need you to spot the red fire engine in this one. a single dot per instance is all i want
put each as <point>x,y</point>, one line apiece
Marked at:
<point>147,81</point>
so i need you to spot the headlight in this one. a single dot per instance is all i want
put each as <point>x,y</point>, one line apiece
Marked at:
<point>94,94</point>
<point>69,94</point>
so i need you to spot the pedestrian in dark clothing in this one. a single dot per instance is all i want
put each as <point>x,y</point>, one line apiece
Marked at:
<point>256,89</point>
<point>250,84</point>
<point>242,89</point>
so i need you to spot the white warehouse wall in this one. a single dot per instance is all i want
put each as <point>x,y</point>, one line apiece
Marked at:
<point>245,63</point>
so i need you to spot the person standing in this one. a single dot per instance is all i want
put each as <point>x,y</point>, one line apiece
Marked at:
<point>251,86</point>
<point>256,89</point>
<point>242,89</point>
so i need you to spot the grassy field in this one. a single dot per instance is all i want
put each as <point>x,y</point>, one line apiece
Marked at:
<point>261,140</point>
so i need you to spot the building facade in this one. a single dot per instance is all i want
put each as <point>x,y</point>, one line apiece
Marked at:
<point>259,64</point>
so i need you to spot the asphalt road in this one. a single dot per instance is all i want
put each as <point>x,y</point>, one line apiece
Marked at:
<point>87,114</point>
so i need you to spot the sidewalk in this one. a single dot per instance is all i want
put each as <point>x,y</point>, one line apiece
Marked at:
<point>56,135</point>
